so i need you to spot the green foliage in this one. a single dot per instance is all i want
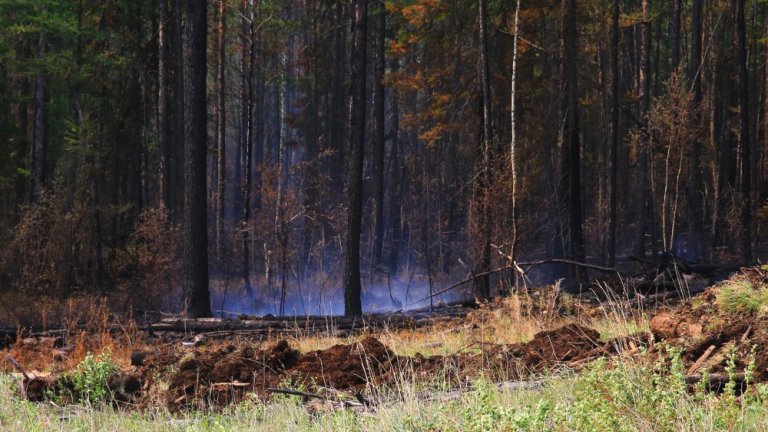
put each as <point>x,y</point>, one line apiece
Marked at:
<point>91,378</point>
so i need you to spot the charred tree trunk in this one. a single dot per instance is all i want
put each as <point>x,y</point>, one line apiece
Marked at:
<point>246,131</point>
<point>395,185</point>
<point>165,104</point>
<point>195,227</point>
<point>571,160</point>
<point>695,206</point>
<point>177,146</point>
<point>614,131</point>
<point>221,130</point>
<point>379,28</point>
<point>39,128</point>
<point>744,144</point>
<point>643,202</point>
<point>676,17</point>
<point>352,287</point>
<point>482,284</point>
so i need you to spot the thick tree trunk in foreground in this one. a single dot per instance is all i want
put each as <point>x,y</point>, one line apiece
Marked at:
<point>195,227</point>
<point>352,287</point>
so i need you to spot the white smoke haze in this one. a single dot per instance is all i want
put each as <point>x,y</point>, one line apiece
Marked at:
<point>326,297</point>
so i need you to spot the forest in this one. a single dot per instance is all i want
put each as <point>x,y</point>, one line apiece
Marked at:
<point>298,157</point>
<point>377,215</point>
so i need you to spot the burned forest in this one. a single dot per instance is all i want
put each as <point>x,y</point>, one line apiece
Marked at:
<point>250,190</point>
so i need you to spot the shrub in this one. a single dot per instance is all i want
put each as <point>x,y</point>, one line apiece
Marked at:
<point>91,378</point>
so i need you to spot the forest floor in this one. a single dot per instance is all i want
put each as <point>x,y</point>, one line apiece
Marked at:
<point>544,361</point>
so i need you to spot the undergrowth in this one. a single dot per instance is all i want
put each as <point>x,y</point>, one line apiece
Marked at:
<point>743,297</point>
<point>623,396</point>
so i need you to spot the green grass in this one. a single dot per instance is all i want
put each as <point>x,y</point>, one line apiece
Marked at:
<point>742,296</point>
<point>623,397</point>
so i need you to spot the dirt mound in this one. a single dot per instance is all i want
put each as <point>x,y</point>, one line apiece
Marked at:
<point>347,366</point>
<point>217,375</point>
<point>556,346</point>
<point>711,325</point>
<point>223,375</point>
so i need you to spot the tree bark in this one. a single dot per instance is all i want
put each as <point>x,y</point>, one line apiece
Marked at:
<point>379,28</point>
<point>176,210</point>
<point>614,131</point>
<point>572,141</point>
<point>195,227</point>
<point>164,106</point>
<point>643,203</point>
<point>221,129</point>
<point>395,187</point>
<point>482,285</point>
<point>38,155</point>
<point>695,210</point>
<point>744,144</point>
<point>513,136</point>
<point>352,287</point>
<point>676,17</point>
<point>246,131</point>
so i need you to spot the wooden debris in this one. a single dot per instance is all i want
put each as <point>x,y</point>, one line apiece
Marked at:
<point>18,367</point>
<point>700,362</point>
<point>137,358</point>
<point>296,393</point>
<point>715,380</point>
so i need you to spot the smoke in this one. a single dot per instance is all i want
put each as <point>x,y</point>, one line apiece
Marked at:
<point>319,297</point>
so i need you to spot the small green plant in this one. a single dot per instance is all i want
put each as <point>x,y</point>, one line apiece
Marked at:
<point>91,377</point>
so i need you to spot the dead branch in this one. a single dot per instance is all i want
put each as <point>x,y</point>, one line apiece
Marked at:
<point>18,367</point>
<point>698,363</point>
<point>297,393</point>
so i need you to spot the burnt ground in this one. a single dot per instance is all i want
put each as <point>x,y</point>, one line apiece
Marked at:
<point>217,372</point>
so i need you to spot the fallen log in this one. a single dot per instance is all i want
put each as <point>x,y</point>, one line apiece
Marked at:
<point>716,380</point>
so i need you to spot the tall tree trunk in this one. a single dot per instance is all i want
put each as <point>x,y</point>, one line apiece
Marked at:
<point>352,287</point>
<point>221,130</point>
<point>764,191</point>
<point>695,209</point>
<point>164,105</point>
<point>644,83</point>
<point>195,227</point>
<point>40,124</point>
<point>177,148</point>
<point>744,144</point>
<point>572,140</point>
<point>614,131</point>
<point>246,131</point>
<point>676,17</point>
<point>513,137</point>
<point>379,28</point>
<point>395,184</point>
<point>483,244</point>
